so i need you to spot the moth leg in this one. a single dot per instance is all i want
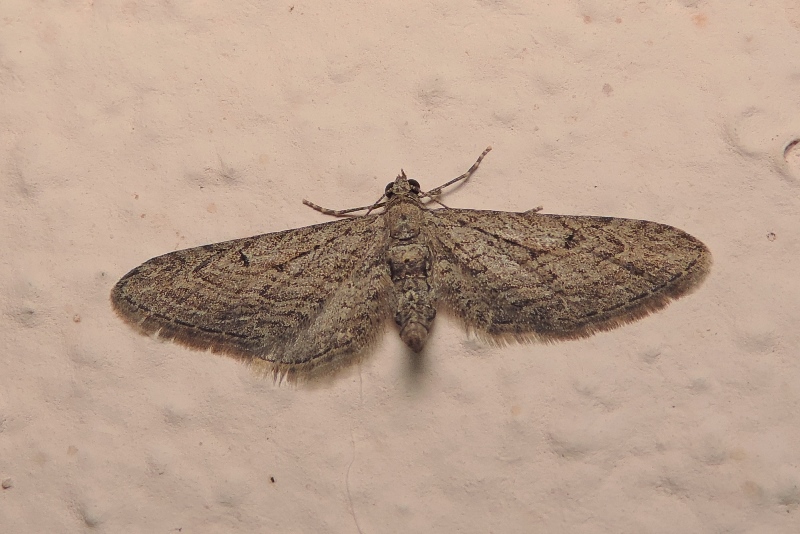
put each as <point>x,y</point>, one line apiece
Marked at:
<point>439,202</point>
<point>342,213</point>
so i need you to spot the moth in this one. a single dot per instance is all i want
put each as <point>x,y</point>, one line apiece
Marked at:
<point>308,301</point>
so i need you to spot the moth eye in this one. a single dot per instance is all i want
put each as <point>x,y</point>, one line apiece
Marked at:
<point>414,185</point>
<point>388,191</point>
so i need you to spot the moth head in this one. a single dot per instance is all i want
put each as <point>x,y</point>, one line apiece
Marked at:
<point>402,185</point>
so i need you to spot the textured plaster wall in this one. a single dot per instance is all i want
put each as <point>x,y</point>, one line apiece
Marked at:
<point>130,129</point>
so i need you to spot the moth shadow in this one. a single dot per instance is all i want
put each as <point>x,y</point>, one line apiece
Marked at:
<point>415,368</point>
